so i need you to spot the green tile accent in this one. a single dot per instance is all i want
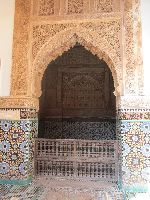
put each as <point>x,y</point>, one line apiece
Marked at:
<point>16,182</point>
<point>134,120</point>
<point>136,189</point>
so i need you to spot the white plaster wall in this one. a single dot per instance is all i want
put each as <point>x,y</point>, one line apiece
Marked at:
<point>145,10</point>
<point>7,8</point>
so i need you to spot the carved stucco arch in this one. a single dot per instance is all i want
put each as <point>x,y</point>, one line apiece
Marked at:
<point>62,42</point>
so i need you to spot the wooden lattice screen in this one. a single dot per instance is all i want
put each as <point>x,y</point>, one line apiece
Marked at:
<point>77,159</point>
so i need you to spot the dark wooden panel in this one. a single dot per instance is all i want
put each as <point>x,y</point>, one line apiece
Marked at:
<point>77,84</point>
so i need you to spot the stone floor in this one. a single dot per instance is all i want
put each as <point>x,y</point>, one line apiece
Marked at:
<point>45,189</point>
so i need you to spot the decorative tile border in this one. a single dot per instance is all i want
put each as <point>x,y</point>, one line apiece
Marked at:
<point>17,113</point>
<point>134,114</point>
<point>16,182</point>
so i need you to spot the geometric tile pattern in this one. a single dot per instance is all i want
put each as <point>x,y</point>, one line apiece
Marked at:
<point>84,129</point>
<point>133,127</point>
<point>16,147</point>
<point>28,113</point>
<point>135,143</point>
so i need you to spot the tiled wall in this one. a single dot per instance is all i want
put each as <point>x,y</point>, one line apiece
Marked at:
<point>17,141</point>
<point>16,145</point>
<point>135,143</point>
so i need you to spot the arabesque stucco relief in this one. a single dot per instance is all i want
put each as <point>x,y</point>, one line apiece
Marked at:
<point>114,36</point>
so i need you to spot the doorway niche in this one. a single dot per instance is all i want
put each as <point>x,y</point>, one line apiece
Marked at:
<point>77,100</point>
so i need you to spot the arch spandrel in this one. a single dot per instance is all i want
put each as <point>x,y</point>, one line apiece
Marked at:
<point>62,42</point>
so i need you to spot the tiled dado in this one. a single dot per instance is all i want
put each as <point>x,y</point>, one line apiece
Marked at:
<point>134,114</point>
<point>18,127</point>
<point>135,143</point>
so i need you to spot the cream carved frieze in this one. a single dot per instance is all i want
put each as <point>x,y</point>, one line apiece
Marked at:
<point>66,8</point>
<point>18,102</point>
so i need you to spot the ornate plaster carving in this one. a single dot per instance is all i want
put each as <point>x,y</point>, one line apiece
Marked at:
<point>75,6</point>
<point>104,5</point>
<point>46,7</point>
<point>38,41</point>
<point>59,8</point>
<point>21,42</point>
<point>133,68</point>
<point>66,39</point>
<point>109,30</point>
